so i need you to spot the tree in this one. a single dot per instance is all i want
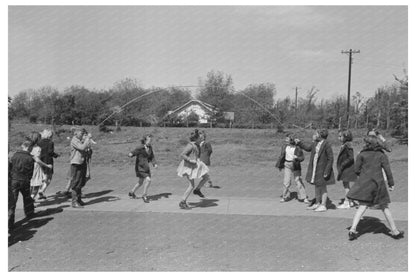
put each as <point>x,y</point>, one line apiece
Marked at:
<point>217,90</point>
<point>259,103</point>
<point>310,98</point>
<point>19,105</point>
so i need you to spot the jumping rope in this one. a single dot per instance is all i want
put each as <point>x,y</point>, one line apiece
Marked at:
<point>120,109</point>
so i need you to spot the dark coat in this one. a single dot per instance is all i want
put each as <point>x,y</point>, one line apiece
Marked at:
<point>22,165</point>
<point>370,186</point>
<point>47,154</point>
<point>345,164</point>
<point>324,164</point>
<point>296,163</point>
<point>143,158</point>
<point>205,153</point>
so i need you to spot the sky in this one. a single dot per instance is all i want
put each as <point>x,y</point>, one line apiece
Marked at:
<point>288,46</point>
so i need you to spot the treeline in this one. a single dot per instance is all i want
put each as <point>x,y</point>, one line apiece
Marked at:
<point>253,107</point>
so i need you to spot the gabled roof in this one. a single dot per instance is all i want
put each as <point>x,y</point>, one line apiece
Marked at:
<point>206,106</point>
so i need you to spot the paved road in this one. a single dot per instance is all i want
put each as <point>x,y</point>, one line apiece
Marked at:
<point>241,226</point>
<point>219,234</point>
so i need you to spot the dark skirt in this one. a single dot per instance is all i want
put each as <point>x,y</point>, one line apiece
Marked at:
<point>143,174</point>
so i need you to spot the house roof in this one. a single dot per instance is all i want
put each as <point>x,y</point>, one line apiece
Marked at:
<point>208,107</point>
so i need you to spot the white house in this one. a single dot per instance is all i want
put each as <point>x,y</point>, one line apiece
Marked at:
<point>204,110</point>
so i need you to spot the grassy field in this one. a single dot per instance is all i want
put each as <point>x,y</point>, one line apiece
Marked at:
<point>241,158</point>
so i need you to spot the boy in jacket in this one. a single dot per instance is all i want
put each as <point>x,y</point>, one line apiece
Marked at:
<point>290,158</point>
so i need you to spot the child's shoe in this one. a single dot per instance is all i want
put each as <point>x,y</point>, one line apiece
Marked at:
<point>399,235</point>
<point>145,199</point>
<point>352,235</point>
<point>284,199</point>
<point>305,200</point>
<point>199,193</point>
<point>345,205</point>
<point>132,195</point>
<point>184,205</point>
<point>313,207</point>
<point>321,208</point>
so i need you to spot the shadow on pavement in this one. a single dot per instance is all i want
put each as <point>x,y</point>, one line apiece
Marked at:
<point>52,200</point>
<point>204,203</point>
<point>60,198</point>
<point>372,225</point>
<point>96,194</point>
<point>102,199</point>
<point>213,187</point>
<point>159,196</point>
<point>26,228</point>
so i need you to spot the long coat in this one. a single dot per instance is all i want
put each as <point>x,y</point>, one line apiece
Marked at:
<point>324,163</point>
<point>296,163</point>
<point>370,186</point>
<point>345,164</point>
<point>205,153</point>
<point>143,158</point>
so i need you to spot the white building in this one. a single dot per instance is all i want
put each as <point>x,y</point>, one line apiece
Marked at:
<point>204,110</point>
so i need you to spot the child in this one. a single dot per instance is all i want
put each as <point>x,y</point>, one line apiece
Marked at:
<point>144,155</point>
<point>192,168</point>
<point>206,152</point>
<point>88,153</point>
<point>39,177</point>
<point>345,166</point>
<point>370,188</point>
<point>21,172</point>
<point>79,145</point>
<point>47,155</point>
<point>320,173</point>
<point>290,158</point>
<point>381,141</point>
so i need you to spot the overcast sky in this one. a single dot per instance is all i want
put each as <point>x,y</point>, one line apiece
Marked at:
<point>288,46</point>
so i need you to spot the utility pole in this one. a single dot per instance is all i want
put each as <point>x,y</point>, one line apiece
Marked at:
<point>296,98</point>
<point>350,52</point>
<point>296,101</point>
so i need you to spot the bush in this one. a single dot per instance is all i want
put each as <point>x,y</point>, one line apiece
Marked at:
<point>103,128</point>
<point>33,118</point>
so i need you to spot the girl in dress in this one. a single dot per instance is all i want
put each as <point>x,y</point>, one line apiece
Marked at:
<point>320,173</point>
<point>47,155</point>
<point>39,177</point>
<point>144,155</point>
<point>370,189</point>
<point>345,166</point>
<point>192,168</point>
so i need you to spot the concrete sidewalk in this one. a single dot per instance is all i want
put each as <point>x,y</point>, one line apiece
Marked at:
<point>220,205</point>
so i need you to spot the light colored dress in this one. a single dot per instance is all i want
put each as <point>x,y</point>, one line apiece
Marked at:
<point>38,177</point>
<point>187,168</point>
